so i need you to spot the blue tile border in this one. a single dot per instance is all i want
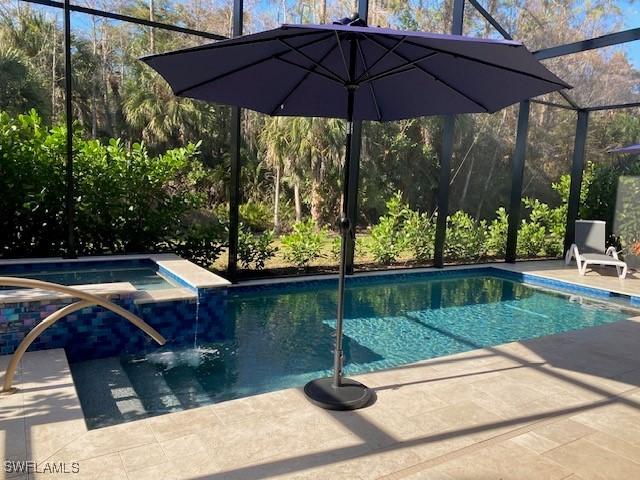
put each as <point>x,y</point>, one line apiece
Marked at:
<point>55,265</point>
<point>526,278</point>
<point>94,332</point>
<point>395,277</point>
<point>164,271</point>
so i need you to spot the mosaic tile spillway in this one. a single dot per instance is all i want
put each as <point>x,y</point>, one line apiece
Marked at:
<point>94,332</point>
<point>179,315</point>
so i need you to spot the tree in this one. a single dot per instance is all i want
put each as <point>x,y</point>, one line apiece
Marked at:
<point>277,146</point>
<point>20,89</point>
<point>318,145</point>
<point>35,39</point>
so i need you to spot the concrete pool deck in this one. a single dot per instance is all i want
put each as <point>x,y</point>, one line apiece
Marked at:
<point>564,406</point>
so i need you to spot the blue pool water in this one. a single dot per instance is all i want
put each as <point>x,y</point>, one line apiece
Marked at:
<point>282,337</point>
<point>141,276</point>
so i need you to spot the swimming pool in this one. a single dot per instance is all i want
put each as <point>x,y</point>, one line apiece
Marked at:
<point>141,274</point>
<point>281,336</point>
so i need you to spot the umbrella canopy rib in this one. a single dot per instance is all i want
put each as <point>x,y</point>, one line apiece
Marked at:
<point>301,81</point>
<point>243,67</point>
<point>371,89</point>
<point>382,57</point>
<point>391,73</point>
<point>314,62</point>
<point>236,42</point>
<point>344,57</point>
<point>407,67</point>
<point>437,78</point>
<point>491,64</point>
<point>310,70</point>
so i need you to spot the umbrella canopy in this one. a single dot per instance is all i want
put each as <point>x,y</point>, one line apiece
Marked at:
<point>629,149</point>
<point>308,70</point>
<point>348,70</point>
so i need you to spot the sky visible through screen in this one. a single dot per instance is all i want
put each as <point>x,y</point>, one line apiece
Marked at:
<point>630,13</point>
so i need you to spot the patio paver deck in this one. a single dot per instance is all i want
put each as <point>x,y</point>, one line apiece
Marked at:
<point>603,277</point>
<point>565,406</point>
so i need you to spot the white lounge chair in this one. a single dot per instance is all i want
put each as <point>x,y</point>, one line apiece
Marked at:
<point>590,249</point>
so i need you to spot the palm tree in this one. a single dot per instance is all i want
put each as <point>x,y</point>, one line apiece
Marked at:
<point>276,142</point>
<point>151,108</point>
<point>33,36</point>
<point>319,144</point>
<point>20,89</point>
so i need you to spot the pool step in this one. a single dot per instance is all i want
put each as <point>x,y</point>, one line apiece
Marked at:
<point>152,389</point>
<point>167,380</point>
<point>104,388</point>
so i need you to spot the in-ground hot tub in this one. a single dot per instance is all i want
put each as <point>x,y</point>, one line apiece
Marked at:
<point>141,273</point>
<point>165,290</point>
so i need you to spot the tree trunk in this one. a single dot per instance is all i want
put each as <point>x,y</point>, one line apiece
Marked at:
<point>94,86</point>
<point>110,127</point>
<point>197,14</point>
<point>54,116</point>
<point>316,201</point>
<point>296,199</point>
<point>467,180</point>
<point>487,184</point>
<point>152,35</point>
<point>276,202</point>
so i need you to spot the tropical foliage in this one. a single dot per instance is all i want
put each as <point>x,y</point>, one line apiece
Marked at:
<point>254,250</point>
<point>139,146</point>
<point>304,243</point>
<point>127,200</point>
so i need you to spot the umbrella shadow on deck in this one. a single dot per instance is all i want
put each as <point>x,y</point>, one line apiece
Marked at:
<point>596,361</point>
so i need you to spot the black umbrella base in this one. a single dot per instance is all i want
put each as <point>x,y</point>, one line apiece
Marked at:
<point>350,395</point>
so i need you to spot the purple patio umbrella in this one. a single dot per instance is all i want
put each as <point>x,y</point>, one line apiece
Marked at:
<point>351,71</point>
<point>629,149</point>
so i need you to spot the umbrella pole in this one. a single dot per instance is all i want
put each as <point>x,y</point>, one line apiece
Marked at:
<point>338,393</point>
<point>345,228</point>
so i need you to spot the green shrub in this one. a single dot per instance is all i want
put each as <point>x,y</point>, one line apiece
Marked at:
<point>420,235</point>
<point>531,239</point>
<point>254,250</point>
<point>200,243</point>
<point>336,245</point>
<point>126,199</point>
<point>388,239</point>
<point>257,216</point>
<point>465,237</point>
<point>496,238</point>
<point>542,234</point>
<point>221,211</point>
<point>304,244</point>
<point>628,216</point>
